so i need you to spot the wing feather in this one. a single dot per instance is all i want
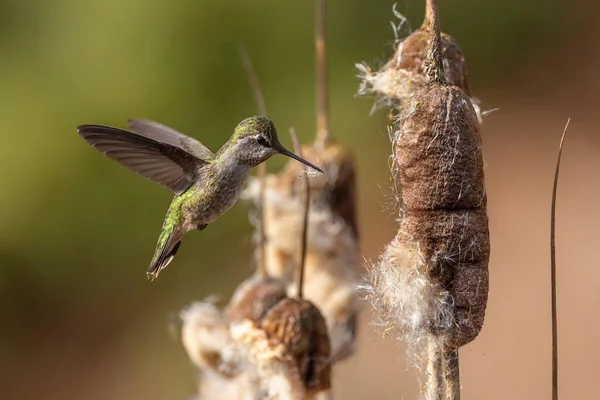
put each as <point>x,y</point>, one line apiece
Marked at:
<point>164,134</point>
<point>161,162</point>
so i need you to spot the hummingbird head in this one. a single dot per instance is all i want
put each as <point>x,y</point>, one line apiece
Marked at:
<point>255,140</point>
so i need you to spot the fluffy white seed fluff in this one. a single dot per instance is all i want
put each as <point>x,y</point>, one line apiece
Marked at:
<point>276,370</point>
<point>224,372</point>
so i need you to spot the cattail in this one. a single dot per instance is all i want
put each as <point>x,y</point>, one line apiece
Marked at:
<point>404,73</point>
<point>289,344</point>
<point>432,280</point>
<point>332,256</point>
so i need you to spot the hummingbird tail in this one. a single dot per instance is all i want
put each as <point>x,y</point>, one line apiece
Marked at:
<point>168,244</point>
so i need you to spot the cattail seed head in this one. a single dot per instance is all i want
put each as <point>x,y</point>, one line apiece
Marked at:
<point>438,151</point>
<point>301,328</point>
<point>433,277</point>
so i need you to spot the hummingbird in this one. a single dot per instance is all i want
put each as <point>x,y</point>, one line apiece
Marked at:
<point>206,185</point>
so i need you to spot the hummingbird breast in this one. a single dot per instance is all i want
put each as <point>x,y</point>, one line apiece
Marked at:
<point>216,191</point>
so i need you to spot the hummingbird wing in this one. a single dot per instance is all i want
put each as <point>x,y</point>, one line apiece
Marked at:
<point>163,163</point>
<point>164,134</point>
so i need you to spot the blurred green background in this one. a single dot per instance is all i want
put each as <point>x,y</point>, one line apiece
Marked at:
<point>78,319</point>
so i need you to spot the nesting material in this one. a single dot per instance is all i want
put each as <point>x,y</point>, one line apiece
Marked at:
<point>400,78</point>
<point>332,258</point>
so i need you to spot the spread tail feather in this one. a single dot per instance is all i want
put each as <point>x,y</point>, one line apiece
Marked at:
<point>168,244</point>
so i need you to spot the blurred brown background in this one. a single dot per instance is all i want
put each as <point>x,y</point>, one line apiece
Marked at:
<point>78,319</point>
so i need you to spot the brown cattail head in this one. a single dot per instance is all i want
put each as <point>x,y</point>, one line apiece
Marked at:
<point>254,297</point>
<point>433,277</point>
<point>438,153</point>
<point>300,327</point>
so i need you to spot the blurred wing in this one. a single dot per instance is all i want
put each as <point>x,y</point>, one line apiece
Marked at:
<point>164,134</point>
<point>163,163</point>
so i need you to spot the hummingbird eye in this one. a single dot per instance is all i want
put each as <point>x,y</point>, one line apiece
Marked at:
<point>262,141</point>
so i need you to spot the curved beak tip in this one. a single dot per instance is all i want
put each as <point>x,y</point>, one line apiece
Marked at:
<point>302,160</point>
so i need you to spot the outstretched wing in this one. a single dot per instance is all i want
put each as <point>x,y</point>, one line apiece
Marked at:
<point>164,163</point>
<point>164,134</point>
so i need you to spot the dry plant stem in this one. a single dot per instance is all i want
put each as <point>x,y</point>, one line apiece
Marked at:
<point>443,381</point>
<point>451,376</point>
<point>434,385</point>
<point>553,270</point>
<point>259,99</point>
<point>441,378</point>
<point>428,15</point>
<point>323,135</point>
<point>261,257</point>
<point>253,80</point>
<point>304,231</point>
<point>434,66</point>
<point>449,367</point>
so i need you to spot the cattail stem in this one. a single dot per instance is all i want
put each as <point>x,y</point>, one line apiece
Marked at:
<point>553,270</point>
<point>427,19</point>
<point>323,135</point>
<point>434,67</point>
<point>434,387</point>
<point>443,373</point>
<point>304,234</point>
<point>261,257</point>
<point>451,375</point>
<point>259,100</point>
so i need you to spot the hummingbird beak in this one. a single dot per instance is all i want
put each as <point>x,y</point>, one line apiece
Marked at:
<point>298,158</point>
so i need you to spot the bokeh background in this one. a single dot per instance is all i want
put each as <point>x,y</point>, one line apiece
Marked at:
<point>79,320</point>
